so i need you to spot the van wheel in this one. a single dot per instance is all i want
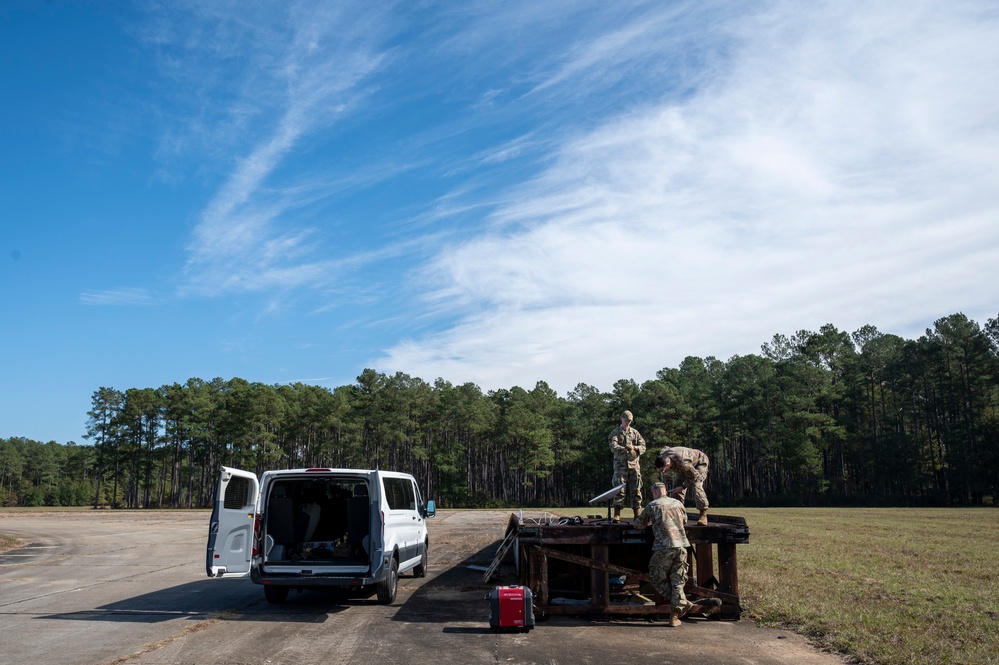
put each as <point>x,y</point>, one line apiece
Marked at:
<point>387,587</point>
<point>275,595</point>
<point>421,568</point>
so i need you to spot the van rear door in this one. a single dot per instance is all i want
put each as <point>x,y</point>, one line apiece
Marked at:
<point>230,532</point>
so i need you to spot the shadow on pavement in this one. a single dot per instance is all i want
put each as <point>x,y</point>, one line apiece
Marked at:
<point>456,594</point>
<point>229,600</point>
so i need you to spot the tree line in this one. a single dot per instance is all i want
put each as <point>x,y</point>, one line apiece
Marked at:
<point>817,418</point>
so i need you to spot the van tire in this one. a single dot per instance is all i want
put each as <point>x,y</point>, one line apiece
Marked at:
<point>388,586</point>
<point>275,595</point>
<point>420,570</point>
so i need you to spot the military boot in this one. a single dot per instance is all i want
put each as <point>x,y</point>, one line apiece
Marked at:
<point>617,513</point>
<point>703,519</point>
<point>674,620</point>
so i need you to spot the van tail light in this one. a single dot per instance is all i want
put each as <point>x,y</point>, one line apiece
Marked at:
<point>256,534</point>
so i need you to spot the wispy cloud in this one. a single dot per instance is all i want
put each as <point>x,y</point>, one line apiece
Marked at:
<point>839,168</point>
<point>287,73</point>
<point>289,77</point>
<point>611,47</point>
<point>125,296</point>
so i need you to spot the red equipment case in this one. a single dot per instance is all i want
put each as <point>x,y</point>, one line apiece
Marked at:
<point>511,608</point>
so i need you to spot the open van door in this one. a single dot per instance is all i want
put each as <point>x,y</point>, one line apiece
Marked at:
<point>230,532</point>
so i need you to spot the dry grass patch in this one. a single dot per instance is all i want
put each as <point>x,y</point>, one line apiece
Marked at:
<point>9,542</point>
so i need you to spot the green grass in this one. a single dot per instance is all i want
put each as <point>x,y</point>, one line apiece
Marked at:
<point>887,586</point>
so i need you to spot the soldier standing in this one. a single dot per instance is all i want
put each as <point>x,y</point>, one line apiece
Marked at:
<point>689,467</point>
<point>668,565</point>
<point>627,445</point>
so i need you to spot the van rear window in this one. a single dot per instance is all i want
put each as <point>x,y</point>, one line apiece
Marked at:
<point>237,494</point>
<point>399,493</point>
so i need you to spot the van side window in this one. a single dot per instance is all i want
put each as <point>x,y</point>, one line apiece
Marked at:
<point>399,493</point>
<point>237,494</point>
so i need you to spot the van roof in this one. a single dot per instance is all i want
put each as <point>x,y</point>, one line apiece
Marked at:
<point>345,472</point>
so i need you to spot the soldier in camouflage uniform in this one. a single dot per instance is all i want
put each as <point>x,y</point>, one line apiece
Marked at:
<point>668,565</point>
<point>689,467</point>
<point>627,445</point>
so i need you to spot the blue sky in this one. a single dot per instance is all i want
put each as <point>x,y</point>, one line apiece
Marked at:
<point>490,192</point>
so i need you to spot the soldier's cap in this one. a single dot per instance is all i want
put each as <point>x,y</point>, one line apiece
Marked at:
<point>626,415</point>
<point>662,485</point>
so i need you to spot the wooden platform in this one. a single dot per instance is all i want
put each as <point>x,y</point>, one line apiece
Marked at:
<point>599,568</point>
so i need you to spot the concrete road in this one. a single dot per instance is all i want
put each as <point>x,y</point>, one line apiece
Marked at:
<point>130,587</point>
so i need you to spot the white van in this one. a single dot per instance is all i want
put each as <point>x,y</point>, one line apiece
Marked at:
<point>318,528</point>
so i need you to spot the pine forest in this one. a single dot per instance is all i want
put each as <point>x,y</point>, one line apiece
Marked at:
<point>817,418</point>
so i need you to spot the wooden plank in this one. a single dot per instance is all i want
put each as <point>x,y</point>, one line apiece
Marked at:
<point>728,573</point>
<point>623,533</point>
<point>705,563</point>
<point>599,579</point>
<point>608,535</point>
<point>533,580</point>
<point>591,563</point>
<point>627,609</point>
<point>544,579</point>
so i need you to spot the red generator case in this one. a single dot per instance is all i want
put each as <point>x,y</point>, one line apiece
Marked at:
<point>511,608</point>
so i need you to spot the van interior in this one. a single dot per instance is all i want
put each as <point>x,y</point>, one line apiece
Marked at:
<point>318,519</point>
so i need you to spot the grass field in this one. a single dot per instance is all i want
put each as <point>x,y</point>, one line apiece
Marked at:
<point>884,585</point>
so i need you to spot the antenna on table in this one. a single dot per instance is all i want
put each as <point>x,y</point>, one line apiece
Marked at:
<point>608,496</point>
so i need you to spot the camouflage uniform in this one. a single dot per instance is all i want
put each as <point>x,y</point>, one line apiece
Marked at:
<point>627,466</point>
<point>668,565</point>
<point>692,466</point>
